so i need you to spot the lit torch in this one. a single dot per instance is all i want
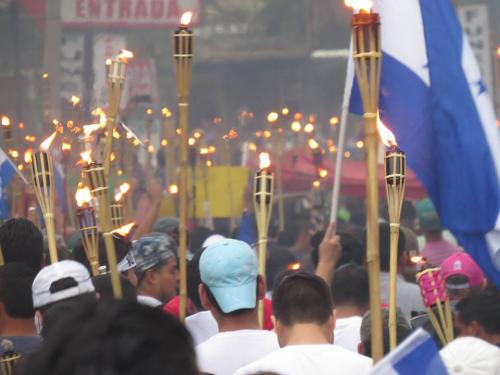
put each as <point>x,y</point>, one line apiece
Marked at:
<point>7,131</point>
<point>116,79</point>
<point>183,54</point>
<point>230,136</point>
<point>263,203</point>
<point>42,168</point>
<point>87,226</point>
<point>117,212</point>
<point>367,58</point>
<point>395,172</point>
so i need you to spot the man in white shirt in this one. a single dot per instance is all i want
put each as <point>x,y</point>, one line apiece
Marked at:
<point>230,289</point>
<point>304,324</point>
<point>156,269</point>
<point>351,300</point>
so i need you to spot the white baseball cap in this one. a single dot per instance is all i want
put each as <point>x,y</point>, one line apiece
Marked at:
<point>43,289</point>
<point>471,356</point>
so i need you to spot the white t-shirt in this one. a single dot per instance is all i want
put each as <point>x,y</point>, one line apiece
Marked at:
<point>226,352</point>
<point>148,300</point>
<point>346,333</point>
<point>311,359</point>
<point>201,326</point>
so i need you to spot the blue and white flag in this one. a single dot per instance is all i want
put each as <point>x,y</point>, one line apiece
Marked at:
<point>7,170</point>
<point>434,99</point>
<point>418,354</point>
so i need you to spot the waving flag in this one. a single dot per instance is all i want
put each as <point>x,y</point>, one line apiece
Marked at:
<point>7,170</point>
<point>434,99</point>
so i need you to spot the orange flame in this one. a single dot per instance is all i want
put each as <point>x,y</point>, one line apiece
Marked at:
<point>83,196</point>
<point>124,188</point>
<point>89,129</point>
<point>28,154</point>
<point>313,144</point>
<point>309,128</point>
<point>5,121</point>
<point>86,157</point>
<point>296,126</point>
<point>364,5</point>
<point>386,136</point>
<point>66,146</point>
<point>272,117</point>
<point>118,196</point>
<point>166,112</point>
<point>124,230</point>
<point>232,134</point>
<point>125,55</point>
<point>186,18</point>
<point>45,145</point>
<point>265,160</point>
<point>74,100</point>
<point>294,266</point>
<point>173,189</point>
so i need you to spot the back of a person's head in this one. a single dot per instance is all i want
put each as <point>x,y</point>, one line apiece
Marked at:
<point>15,290</point>
<point>301,297</point>
<point>194,279</point>
<point>21,241</point>
<point>385,245</point>
<point>471,356</point>
<point>350,287</point>
<point>483,308</point>
<point>104,288</point>
<point>116,338</point>
<point>279,259</point>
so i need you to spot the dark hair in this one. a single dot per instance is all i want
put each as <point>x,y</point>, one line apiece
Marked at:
<point>15,290</point>
<point>482,307</point>
<point>302,298</point>
<point>102,284</point>
<point>385,245</point>
<point>216,305</point>
<point>350,286</point>
<point>194,279</point>
<point>118,338</point>
<point>352,249</point>
<point>122,247</point>
<point>198,236</point>
<point>21,241</point>
<point>278,261</point>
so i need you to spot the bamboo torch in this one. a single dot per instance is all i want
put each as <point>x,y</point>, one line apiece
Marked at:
<point>117,213</point>
<point>98,185</point>
<point>183,54</point>
<point>42,168</point>
<point>116,79</point>
<point>263,203</point>
<point>168,142</point>
<point>367,58</point>
<point>87,226</point>
<point>395,172</point>
<point>272,119</point>
<point>231,135</point>
<point>149,144</point>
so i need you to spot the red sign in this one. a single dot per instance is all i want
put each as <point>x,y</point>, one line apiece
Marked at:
<point>127,13</point>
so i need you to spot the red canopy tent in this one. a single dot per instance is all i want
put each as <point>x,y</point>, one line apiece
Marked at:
<point>299,172</point>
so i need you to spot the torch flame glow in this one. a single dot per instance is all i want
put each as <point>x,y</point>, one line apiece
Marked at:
<point>28,155</point>
<point>313,144</point>
<point>5,121</point>
<point>83,196</point>
<point>173,189</point>
<point>265,160</point>
<point>364,5</point>
<point>124,188</point>
<point>386,136</point>
<point>118,196</point>
<point>125,54</point>
<point>86,157</point>
<point>45,145</point>
<point>186,18</point>
<point>74,100</point>
<point>89,129</point>
<point>124,230</point>
<point>66,146</point>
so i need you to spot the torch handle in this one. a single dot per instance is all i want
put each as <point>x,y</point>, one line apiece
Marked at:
<point>262,272</point>
<point>108,147</point>
<point>51,236</point>
<point>393,272</point>
<point>2,260</point>
<point>111,254</point>
<point>183,206</point>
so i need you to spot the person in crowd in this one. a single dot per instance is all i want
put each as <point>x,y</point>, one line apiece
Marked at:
<point>298,239</point>
<point>329,253</point>
<point>279,259</point>
<point>408,217</point>
<point>351,300</point>
<point>156,269</point>
<point>471,356</point>
<point>352,250</point>
<point>61,281</point>
<point>104,288</point>
<point>22,241</point>
<point>403,330</point>
<point>125,258</point>
<point>230,288</point>
<point>168,225</point>
<point>478,315</point>
<point>462,276</point>
<point>17,327</point>
<point>411,256</point>
<point>408,294</point>
<point>121,337</point>
<point>436,248</point>
<point>198,236</point>
<point>304,324</point>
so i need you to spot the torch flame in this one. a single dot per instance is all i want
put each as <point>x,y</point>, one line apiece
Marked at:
<point>386,136</point>
<point>124,188</point>
<point>364,5</point>
<point>124,230</point>
<point>313,144</point>
<point>118,196</point>
<point>125,54</point>
<point>83,196</point>
<point>44,146</point>
<point>28,154</point>
<point>173,189</point>
<point>5,121</point>
<point>86,157</point>
<point>66,146</point>
<point>74,100</point>
<point>89,129</point>
<point>265,160</point>
<point>186,18</point>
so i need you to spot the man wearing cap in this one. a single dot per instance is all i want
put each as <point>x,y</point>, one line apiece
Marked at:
<point>61,281</point>
<point>230,288</point>
<point>156,269</point>
<point>436,248</point>
<point>462,276</point>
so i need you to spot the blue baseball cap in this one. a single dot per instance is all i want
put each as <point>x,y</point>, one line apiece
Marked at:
<point>229,269</point>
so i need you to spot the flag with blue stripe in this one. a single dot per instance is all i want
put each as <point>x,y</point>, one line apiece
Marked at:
<point>7,170</point>
<point>433,98</point>
<point>417,354</point>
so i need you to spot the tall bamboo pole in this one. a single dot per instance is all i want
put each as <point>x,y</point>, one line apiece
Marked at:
<point>183,54</point>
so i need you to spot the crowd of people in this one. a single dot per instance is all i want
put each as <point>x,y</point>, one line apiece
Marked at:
<point>58,319</point>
